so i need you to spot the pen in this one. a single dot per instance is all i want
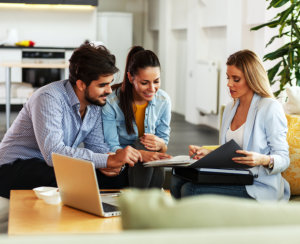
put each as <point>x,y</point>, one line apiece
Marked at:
<point>193,155</point>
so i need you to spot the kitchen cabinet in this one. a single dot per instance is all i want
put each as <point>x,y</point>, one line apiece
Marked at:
<point>67,2</point>
<point>23,81</point>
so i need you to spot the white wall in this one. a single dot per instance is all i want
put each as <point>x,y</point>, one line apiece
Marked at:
<point>203,30</point>
<point>136,7</point>
<point>50,27</point>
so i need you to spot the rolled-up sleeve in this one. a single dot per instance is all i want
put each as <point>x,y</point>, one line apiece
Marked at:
<point>163,128</point>
<point>111,136</point>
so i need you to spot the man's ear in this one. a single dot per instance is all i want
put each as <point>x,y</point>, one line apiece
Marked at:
<point>130,77</point>
<point>81,86</point>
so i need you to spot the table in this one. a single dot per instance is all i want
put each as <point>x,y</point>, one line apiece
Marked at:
<point>30,215</point>
<point>9,65</point>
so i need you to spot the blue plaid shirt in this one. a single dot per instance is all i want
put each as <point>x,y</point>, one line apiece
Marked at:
<point>50,122</point>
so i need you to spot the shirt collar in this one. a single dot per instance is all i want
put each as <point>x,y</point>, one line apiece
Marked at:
<point>153,101</point>
<point>71,93</point>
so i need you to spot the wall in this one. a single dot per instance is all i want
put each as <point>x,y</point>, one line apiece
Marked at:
<point>195,31</point>
<point>136,7</point>
<point>49,27</point>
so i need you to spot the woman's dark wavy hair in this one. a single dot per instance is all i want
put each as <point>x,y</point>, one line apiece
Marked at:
<point>138,58</point>
<point>89,62</point>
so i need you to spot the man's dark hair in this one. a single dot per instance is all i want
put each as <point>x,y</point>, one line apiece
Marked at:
<point>89,62</point>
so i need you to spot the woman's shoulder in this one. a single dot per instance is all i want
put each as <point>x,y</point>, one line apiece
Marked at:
<point>113,98</point>
<point>162,95</point>
<point>267,103</point>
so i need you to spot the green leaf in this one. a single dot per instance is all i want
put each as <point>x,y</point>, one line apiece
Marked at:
<point>296,29</point>
<point>277,93</point>
<point>286,13</point>
<point>291,58</point>
<point>279,53</point>
<point>271,24</point>
<point>297,74</point>
<point>277,3</point>
<point>272,72</point>
<point>283,16</point>
<point>274,37</point>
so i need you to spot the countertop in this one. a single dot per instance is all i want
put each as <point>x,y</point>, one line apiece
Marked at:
<point>36,47</point>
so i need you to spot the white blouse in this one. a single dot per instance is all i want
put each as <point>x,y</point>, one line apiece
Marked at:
<point>236,135</point>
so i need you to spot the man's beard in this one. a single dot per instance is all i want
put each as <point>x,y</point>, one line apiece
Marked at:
<point>94,101</point>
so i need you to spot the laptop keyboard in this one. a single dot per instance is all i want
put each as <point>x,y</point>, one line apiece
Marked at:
<point>109,208</point>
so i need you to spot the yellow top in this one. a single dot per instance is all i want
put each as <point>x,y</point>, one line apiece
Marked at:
<point>139,113</point>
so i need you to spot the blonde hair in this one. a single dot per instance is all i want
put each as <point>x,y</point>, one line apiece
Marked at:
<point>253,70</point>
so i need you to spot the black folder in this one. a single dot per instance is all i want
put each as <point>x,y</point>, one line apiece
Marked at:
<point>221,158</point>
<point>210,176</point>
<point>217,167</point>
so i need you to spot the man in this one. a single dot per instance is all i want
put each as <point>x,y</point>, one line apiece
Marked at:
<point>58,118</point>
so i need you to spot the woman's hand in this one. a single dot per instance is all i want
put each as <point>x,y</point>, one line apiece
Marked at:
<point>252,158</point>
<point>198,152</point>
<point>153,142</point>
<point>150,156</point>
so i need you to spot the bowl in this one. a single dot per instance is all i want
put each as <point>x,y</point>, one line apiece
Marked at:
<point>51,197</point>
<point>41,189</point>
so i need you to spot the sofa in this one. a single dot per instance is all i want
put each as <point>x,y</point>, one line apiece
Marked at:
<point>251,235</point>
<point>202,219</point>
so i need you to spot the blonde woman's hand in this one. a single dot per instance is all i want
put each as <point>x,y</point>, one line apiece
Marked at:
<point>252,158</point>
<point>197,152</point>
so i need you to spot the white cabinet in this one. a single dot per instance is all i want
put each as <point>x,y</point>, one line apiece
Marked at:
<point>115,31</point>
<point>11,55</point>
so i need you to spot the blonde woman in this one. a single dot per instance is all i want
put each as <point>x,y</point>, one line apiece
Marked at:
<point>256,121</point>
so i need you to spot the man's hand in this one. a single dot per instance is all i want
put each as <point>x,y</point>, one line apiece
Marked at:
<point>153,142</point>
<point>128,155</point>
<point>110,172</point>
<point>150,156</point>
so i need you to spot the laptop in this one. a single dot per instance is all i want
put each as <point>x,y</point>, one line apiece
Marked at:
<point>78,186</point>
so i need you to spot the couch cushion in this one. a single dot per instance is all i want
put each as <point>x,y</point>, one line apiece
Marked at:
<point>4,207</point>
<point>153,209</point>
<point>292,174</point>
<point>292,106</point>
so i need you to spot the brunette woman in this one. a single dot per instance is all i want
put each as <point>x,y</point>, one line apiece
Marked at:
<point>138,113</point>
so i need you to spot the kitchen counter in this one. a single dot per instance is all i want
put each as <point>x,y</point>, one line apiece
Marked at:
<point>36,47</point>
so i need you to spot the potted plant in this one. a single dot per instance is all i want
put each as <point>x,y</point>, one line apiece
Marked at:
<point>286,70</point>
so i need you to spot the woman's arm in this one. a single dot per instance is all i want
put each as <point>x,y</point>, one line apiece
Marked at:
<point>274,128</point>
<point>110,130</point>
<point>159,140</point>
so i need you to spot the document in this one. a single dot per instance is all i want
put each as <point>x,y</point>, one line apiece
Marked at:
<point>181,160</point>
<point>221,158</point>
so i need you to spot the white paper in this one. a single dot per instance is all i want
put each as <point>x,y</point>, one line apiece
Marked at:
<point>175,161</point>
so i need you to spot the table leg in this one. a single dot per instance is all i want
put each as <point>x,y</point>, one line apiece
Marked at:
<point>7,95</point>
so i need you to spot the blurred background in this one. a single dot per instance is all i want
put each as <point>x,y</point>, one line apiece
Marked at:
<point>192,38</point>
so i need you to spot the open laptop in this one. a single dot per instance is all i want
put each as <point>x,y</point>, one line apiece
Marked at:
<point>78,186</point>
